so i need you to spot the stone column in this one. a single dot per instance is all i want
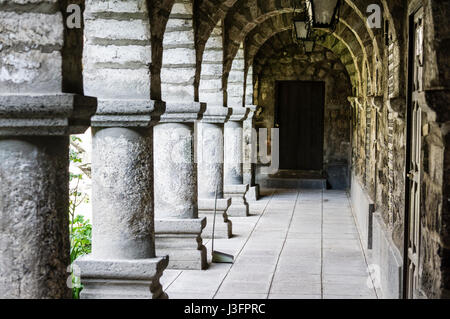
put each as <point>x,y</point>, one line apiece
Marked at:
<point>34,191</point>
<point>36,119</point>
<point>250,155</point>
<point>123,263</point>
<point>234,186</point>
<point>178,226</point>
<point>210,172</point>
<point>117,52</point>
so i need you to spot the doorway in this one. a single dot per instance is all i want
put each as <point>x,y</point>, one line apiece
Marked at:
<point>300,119</point>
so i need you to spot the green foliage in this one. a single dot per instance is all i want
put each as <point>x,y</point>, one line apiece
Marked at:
<point>80,244</point>
<point>80,228</point>
<point>80,237</point>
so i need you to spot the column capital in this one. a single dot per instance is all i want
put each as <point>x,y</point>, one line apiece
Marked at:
<point>176,112</point>
<point>56,114</point>
<point>252,110</point>
<point>216,114</point>
<point>127,113</point>
<point>239,114</point>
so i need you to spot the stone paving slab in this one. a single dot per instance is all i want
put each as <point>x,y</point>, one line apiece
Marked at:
<point>293,246</point>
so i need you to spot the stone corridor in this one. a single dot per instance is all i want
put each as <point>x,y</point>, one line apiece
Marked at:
<point>295,245</point>
<point>189,101</point>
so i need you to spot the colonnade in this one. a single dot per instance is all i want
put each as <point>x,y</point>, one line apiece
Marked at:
<point>157,164</point>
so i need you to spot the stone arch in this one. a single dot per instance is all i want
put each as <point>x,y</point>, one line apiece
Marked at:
<point>159,11</point>
<point>239,23</point>
<point>117,50</point>
<point>211,69</point>
<point>281,60</point>
<point>339,47</point>
<point>179,55</point>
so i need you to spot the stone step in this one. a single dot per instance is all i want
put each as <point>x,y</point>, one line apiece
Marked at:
<point>295,183</point>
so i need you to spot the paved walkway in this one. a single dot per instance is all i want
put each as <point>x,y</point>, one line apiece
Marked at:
<point>298,244</point>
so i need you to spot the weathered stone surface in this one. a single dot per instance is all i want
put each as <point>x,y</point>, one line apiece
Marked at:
<point>31,59</point>
<point>43,114</point>
<point>176,196</point>
<point>239,206</point>
<point>175,171</point>
<point>34,229</point>
<point>118,54</point>
<point>363,209</point>
<point>127,113</point>
<point>250,154</point>
<point>122,263</point>
<point>388,260</point>
<point>122,279</point>
<point>181,240</point>
<point>122,175</point>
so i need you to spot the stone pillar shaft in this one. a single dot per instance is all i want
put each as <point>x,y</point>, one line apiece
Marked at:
<point>210,155</point>
<point>210,160</point>
<point>233,173</point>
<point>123,263</point>
<point>34,191</point>
<point>250,155</point>
<point>175,171</point>
<point>34,224</point>
<point>122,202</point>
<point>178,226</point>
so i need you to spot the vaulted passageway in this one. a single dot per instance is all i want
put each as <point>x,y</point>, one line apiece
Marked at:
<point>179,96</point>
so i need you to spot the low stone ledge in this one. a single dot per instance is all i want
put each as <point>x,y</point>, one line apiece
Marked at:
<point>181,240</point>
<point>252,194</point>
<point>134,269</point>
<point>239,206</point>
<point>387,256</point>
<point>122,279</point>
<point>363,209</point>
<point>236,189</point>
<point>209,204</point>
<point>179,226</point>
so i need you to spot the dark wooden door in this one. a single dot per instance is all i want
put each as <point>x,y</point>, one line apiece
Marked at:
<point>300,118</point>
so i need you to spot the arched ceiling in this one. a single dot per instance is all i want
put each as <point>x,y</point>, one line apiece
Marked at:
<point>356,51</point>
<point>244,19</point>
<point>332,42</point>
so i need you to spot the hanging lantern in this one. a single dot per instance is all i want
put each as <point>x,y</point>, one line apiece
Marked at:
<point>309,45</point>
<point>301,29</point>
<point>301,21</point>
<point>324,14</point>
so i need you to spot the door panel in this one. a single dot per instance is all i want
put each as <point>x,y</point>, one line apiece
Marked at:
<point>300,116</point>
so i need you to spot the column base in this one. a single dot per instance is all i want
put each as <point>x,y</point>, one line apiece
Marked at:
<point>122,279</point>
<point>181,240</point>
<point>239,206</point>
<point>224,226</point>
<point>252,194</point>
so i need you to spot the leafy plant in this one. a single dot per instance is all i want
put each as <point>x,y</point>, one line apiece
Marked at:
<point>80,228</point>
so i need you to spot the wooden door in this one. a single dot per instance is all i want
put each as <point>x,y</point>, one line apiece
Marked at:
<point>300,117</point>
<point>415,155</point>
